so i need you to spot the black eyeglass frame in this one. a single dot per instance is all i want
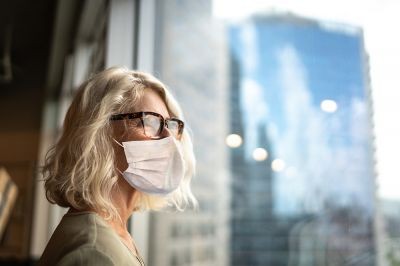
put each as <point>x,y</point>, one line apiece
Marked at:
<point>163,120</point>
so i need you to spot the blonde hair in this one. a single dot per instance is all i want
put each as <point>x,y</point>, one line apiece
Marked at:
<point>80,170</point>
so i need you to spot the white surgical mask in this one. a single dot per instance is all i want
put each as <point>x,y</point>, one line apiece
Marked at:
<point>154,166</point>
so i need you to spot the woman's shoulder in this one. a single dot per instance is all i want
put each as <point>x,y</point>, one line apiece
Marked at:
<point>85,226</point>
<point>85,237</point>
<point>85,255</point>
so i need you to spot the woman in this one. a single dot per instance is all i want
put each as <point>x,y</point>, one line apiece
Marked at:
<point>123,149</point>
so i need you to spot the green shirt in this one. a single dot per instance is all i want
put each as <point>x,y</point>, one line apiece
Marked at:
<point>86,239</point>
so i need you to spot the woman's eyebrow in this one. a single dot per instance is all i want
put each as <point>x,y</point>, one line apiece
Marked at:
<point>168,116</point>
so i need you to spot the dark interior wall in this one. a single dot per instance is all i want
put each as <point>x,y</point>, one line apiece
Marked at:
<point>21,101</point>
<point>30,24</point>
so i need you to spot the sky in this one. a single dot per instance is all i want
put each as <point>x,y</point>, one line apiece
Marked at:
<point>379,20</point>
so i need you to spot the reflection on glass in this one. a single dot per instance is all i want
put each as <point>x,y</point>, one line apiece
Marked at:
<point>260,154</point>
<point>328,106</point>
<point>278,165</point>
<point>233,140</point>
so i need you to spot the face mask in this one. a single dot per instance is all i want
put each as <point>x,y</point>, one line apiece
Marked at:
<point>154,166</point>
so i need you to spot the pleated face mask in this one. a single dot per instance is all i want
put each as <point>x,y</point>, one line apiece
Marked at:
<point>154,166</point>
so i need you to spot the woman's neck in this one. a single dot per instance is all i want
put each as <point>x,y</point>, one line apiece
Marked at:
<point>123,197</point>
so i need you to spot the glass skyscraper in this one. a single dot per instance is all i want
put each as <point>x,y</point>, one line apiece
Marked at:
<point>300,92</point>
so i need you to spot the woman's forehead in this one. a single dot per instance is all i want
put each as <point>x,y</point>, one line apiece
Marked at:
<point>151,101</point>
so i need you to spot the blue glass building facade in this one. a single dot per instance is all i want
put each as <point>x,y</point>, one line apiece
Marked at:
<point>311,201</point>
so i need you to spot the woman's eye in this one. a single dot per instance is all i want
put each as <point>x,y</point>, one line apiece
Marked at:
<point>135,123</point>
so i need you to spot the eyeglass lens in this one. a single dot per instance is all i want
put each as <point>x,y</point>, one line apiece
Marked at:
<point>153,124</point>
<point>173,127</point>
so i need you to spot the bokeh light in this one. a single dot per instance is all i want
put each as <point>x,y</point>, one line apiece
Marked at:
<point>329,106</point>
<point>260,154</point>
<point>233,140</point>
<point>278,165</point>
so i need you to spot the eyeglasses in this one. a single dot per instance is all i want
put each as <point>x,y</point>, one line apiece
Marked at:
<point>152,124</point>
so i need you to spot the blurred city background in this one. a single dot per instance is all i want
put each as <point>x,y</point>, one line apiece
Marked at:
<point>292,106</point>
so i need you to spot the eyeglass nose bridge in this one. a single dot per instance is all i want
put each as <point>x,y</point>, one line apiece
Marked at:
<point>165,131</point>
<point>163,126</point>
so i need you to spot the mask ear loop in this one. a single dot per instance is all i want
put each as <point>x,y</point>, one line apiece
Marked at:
<point>119,171</point>
<point>118,143</point>
<point>122,147</point>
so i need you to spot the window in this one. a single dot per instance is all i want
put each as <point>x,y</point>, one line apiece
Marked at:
<point>285,161</point>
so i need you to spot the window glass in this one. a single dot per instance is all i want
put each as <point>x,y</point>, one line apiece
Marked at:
<point>279,110</point>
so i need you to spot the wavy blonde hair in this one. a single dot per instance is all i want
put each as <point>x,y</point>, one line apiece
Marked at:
<point>80,170</point>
